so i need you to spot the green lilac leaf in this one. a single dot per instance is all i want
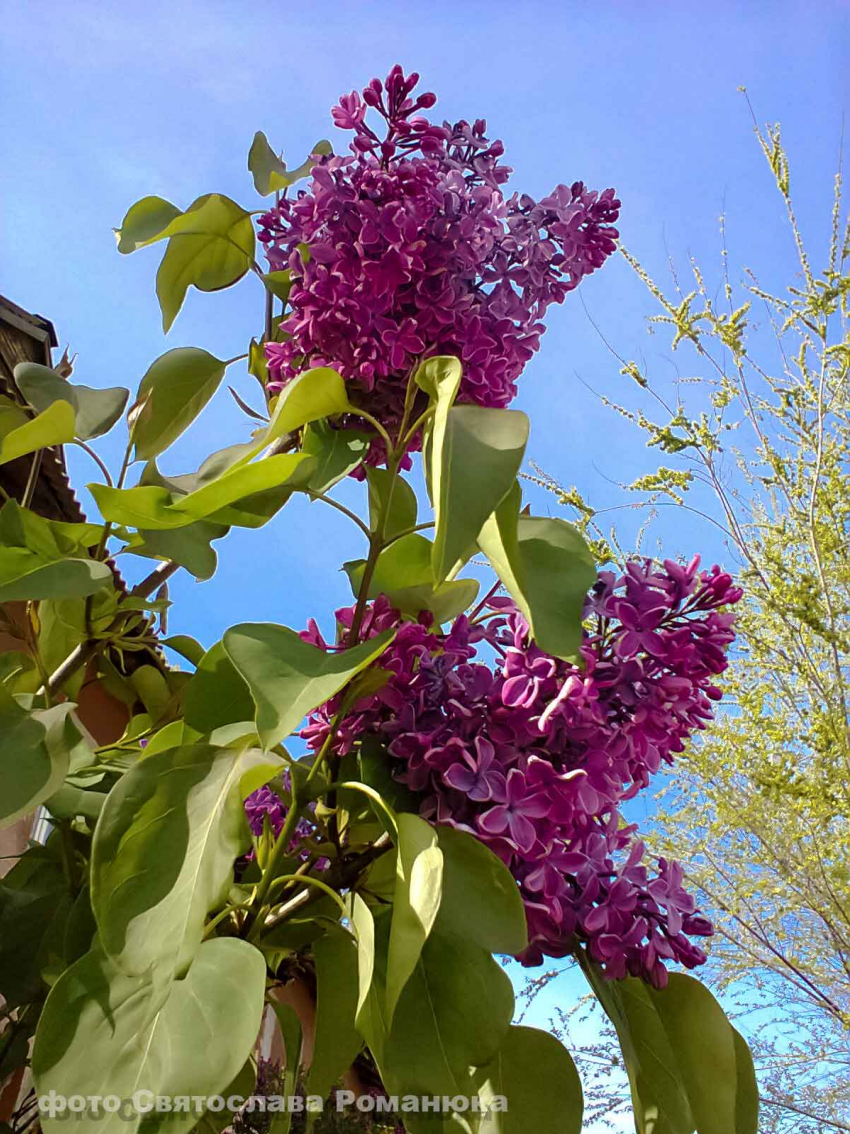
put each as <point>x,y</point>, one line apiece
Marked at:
<point>287,676</point>
<point>528,1059</point>
<point>53,426</point>
<point>546,567</point>
<point>172,393</point>
<point>96,410</point>
<point>164,849</point>
<point>103,1032</point>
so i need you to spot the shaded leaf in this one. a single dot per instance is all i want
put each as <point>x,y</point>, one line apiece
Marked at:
<point>34,756</point>
<point>217,695</point>
<point>473,463</point>
<point>527,1059</point>
<point>391,502</point>
<point>144,223</point>
<point>174,390</point>
<point>481,900</point>
<point>96,410</point>
<point>105,1033</point>
<point>190,546</point>
<point>453,1013</point>
<point>187,647</point>
<point>337,452</point>
<point>337,1040</point>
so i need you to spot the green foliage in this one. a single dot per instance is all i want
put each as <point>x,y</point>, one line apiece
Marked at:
<point>164,849</point>
<point>761,436</point>
<point>287,676</point>
<point>172,393</point>
<point>34,757</point>
<point>103,1032</point>
<point>96,411</point>
<point>547,569</point>
<point>526,1059</point>
<point>53,426</point>
<point>337,1039</point>
<point>269,171</point>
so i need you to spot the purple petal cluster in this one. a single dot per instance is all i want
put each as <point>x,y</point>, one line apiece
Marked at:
<point>265,802</point>
<point>536,756</point>
<point>414,250</point>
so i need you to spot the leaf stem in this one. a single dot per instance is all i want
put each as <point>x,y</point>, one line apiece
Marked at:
<point>340,508</point>
<point>32,479</point>
<point>100,464</point>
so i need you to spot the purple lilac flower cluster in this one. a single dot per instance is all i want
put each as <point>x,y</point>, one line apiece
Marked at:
<point>266,802</point>
<point>535,756</point>
<point>414,250</point>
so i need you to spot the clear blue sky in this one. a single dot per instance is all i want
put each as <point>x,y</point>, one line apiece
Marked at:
<point>103,104</point>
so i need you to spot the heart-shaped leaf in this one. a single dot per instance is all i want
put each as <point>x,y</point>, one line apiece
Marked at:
<point>105,1033</point>
<point>217,695</point>
<point>210,247</point>
<point>145,222</point>
<point>96,410</point>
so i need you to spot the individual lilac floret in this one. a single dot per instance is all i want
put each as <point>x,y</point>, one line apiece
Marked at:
<point>415,250</point>
<point>536,756</point>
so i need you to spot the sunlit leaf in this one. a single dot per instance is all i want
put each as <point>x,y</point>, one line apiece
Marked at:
<point>53,426</point>
<point>287,676</point>
<point>210,247</point>
<point>547,568</point>
<point>154,508</point>
<point>164,849</point>
<point>269,171</point>
<point>418,890</point>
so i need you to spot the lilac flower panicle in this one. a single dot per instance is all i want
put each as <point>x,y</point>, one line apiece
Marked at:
<point>414,250</point>
<point>536,756</point>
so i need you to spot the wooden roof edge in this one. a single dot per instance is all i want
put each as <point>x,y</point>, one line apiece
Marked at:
<point>35,325</point>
